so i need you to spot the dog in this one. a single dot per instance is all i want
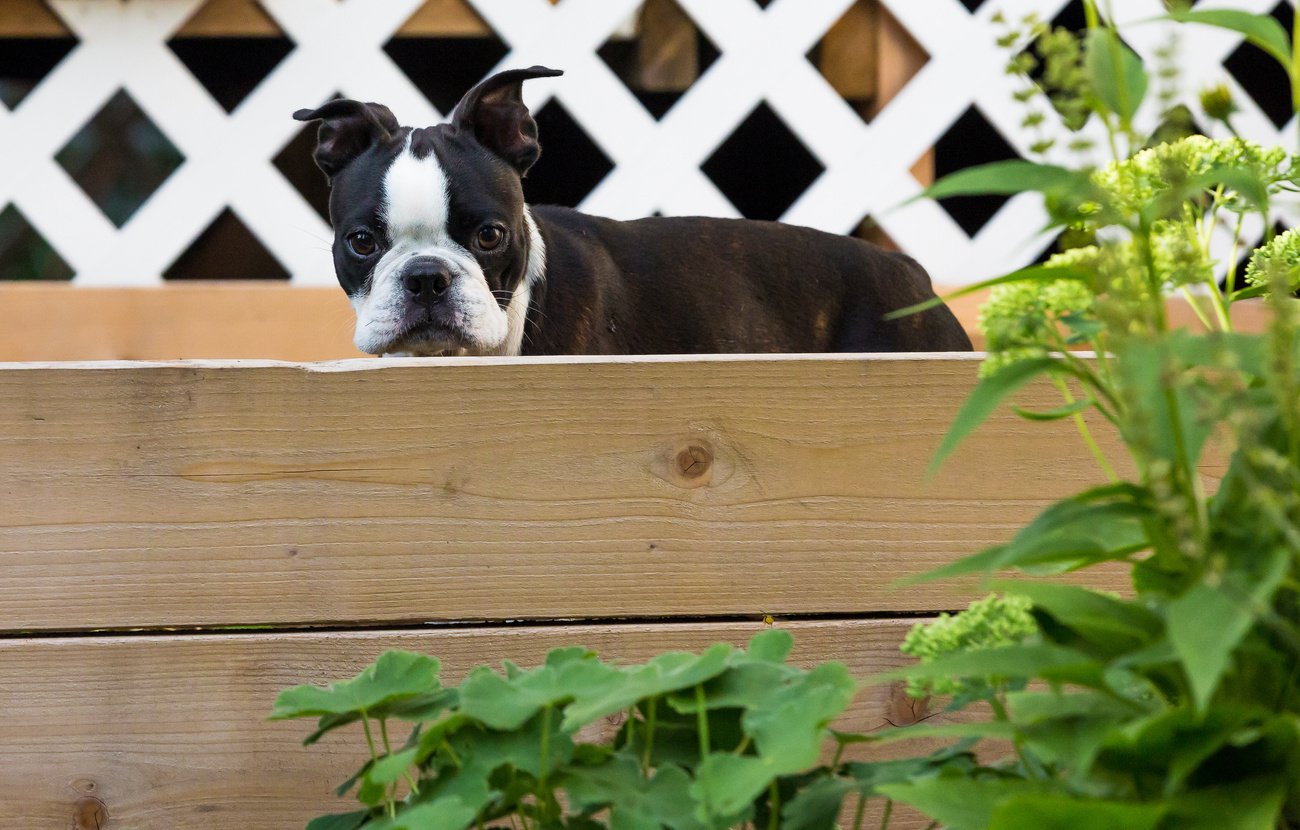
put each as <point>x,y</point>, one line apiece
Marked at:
<point>439,254</point>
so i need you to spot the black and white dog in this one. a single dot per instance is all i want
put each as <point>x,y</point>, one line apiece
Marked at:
<point>439,255</point>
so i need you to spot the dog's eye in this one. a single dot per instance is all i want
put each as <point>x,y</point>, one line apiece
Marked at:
<point>362,243</point>
<point>490,237</point>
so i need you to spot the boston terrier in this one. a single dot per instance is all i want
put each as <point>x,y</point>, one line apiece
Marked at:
<point>439,255</point>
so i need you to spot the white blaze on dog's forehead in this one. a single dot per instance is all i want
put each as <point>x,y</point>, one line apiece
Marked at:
<point>415,196</point>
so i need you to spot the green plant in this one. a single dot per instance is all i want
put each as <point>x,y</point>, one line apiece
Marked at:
<point>1177,706</point>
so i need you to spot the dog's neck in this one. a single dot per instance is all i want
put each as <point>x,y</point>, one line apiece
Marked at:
<point>522,297</point>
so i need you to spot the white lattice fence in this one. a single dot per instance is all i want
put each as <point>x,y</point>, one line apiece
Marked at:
<point>657,163</point>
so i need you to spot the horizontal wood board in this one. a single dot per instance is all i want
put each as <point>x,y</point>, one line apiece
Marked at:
<point>169,732</point>
<point>250,320</point>
<point>215,494</point>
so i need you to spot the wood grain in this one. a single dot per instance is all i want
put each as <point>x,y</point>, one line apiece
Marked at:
<point>169,732</point>
<point>252,320</point>
<point>187,494</point>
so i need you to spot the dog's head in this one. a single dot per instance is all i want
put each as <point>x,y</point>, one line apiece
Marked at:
<point>432,241</point>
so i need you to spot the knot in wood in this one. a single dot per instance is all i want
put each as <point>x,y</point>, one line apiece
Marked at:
<point>89,813</point>
<point>694,461</point>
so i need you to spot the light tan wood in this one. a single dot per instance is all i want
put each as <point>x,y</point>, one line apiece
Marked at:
<point>30,18</point>
<point>493,488</point>
<point>667,55</point>
<point>169,732</point>
<point>445,18</point>
<point>230,18</point>
<point>850,52</point>
<point>252,320</point>
<point>58,321</point>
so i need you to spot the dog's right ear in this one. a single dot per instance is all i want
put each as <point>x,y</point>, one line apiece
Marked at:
<point>347,129</point>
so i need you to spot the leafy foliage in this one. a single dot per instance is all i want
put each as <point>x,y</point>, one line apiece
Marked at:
<point>1179,705</point>
<point>710,740</point>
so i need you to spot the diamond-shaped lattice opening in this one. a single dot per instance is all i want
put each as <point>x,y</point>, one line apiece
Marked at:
<point>227,250</point>
<point>972,5</point>
<point>762,167</point>
<point>230,60</point>
<point>1071,17</point>
<point>869,230</point>
<point>1260,75</point>
<point>661,57</point>
<point>970,141</point>
<point>119,158</point>
<point>24,253</point>
<point>850,58</point>
<point>25,61</point>
<point>571,165</point>
<point>295,163</point>
<point>445,48</point>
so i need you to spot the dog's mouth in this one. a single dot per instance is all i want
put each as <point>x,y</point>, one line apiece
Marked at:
<point>426,338</point>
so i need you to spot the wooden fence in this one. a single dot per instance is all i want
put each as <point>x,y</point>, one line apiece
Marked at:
<point>179,541</point>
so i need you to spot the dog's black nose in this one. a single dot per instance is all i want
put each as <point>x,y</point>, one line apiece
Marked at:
<point>426,279</point>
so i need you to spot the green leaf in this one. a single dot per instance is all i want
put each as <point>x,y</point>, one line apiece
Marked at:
<point>1097,525</point>
<point>771,646</point>
<point>1003,178</point>
<point>996,730</point>
<point>791,726</point>
<point>1253,804</point>
<point>340,821</point>
<point>1112,623</point>
<point>1014,661</point>
<point>1208,622</point>
<point>391,767</point>
<point>1115,72</point>
<point>1031,274</point>
<point>1057,414</point>
<point>507,702</point>
<point>636,803</point>
<point>817,806</point>
<point>1262,30</point>
<point>962,803</point>
<point>725,784</point>
<point>990,392</point>
<point>1061,812</point>
<point>668,672</point>
<point>441,814</point>
<point>396,676</point>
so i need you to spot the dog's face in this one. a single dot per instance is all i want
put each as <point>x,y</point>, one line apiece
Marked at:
<point>432,241</point>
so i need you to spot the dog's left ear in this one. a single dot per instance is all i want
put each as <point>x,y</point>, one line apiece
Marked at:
<point>494,113</point>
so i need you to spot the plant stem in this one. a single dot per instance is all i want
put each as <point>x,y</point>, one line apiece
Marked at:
<point>773,805</point>
<point>1086,433</point>
<point>651,711</point>
<point>702,721</point>
<point>544,751</point>
<point>860,811</point>
<point>889,809</point>
<point>370,738</point>
<point>1195,307</point>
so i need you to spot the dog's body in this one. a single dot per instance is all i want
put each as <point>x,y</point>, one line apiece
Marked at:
<point>439,254</point>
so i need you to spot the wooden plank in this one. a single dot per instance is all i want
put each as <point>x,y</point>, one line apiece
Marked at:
<point>169,732</point>
<point>251,320</point>
<point>58,321</point>
<point>183,494</point>
<point>30,18</point>
<point>667,47</point>
<point>850,53</point>
<point>230,18</point>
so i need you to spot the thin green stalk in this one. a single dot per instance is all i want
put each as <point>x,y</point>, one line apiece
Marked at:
<point>1084,432</point>
<point>773,805</point>
<point>702,721</point>
<point>744,745</point>
<point>1195,307</point>
<point>388,750</point>
<point>545,749</point>
<point>651,709</point>
<point>889,810</point>
<point>860,811</point>
<point>839,754</point>
<point>1230,280</point>
<point>370,738</point>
